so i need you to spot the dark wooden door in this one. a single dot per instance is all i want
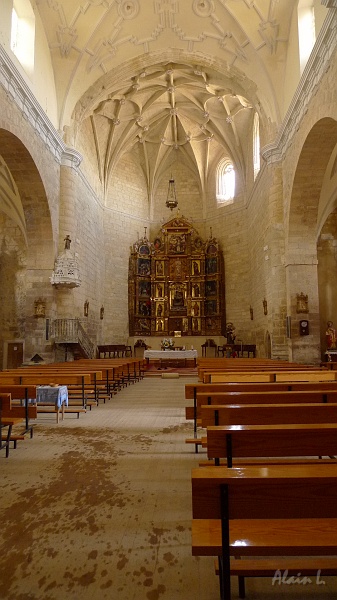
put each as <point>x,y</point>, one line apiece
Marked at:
<point>14,355</point>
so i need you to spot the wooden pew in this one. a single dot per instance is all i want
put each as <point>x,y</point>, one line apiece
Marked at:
<point>265,397</point>
<point>191,389</point>
<point>270,376</point>
<point>78,394</point>
<point>267,414</point>
<point>80,379</point>
<point>281,512</point>
<point>13,416</point>
<point>19,413</point>
<point>194,389</point>
<point>20,407</point>
<point>232,442</point>
<point>208,369</point>
<point>133,367</point>
<point>5,423</point>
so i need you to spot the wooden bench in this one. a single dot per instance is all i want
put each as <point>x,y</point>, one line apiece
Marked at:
<point>133,367</point>
<point>5,424</point>
<point>265,397</point>
<point>57,373</point>
<point>207,368</point>
<point>20,396</point>
<point>231,442</point>
<point>191,389</point>
<point>268,414</point>
<point>270,376</point>
<point>205,373</point>
<point>19,413</point>
<point>280,512</point>
<point>65,378</point>
<point>14,419</point>
<point>9,422</point>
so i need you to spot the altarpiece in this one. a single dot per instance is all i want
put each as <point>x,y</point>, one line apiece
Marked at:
<point>176,283</point>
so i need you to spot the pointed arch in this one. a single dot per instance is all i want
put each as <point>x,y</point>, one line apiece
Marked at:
<point>225,181</point>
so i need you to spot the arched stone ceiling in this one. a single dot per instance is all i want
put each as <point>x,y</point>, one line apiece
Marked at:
<point>89,38</point>
<point>160,76</point>
<point>167,108</point>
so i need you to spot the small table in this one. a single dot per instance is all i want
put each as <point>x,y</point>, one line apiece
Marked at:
<point>333,355</point>
<point>209,344</point>
<point>53,395</point>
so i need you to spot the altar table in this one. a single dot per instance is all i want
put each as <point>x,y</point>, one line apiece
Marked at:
<point>171,356</point>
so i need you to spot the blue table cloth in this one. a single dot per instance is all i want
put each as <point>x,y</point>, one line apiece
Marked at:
<point>52,395</point>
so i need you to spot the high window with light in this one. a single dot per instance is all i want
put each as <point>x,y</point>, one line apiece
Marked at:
<point>256,145</point>
<point>306,30</point>
<point>23,34</point>
<point>225,182</point>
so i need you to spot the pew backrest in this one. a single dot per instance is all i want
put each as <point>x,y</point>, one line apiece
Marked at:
<point>271,441</point>
<point>277,491</point>
<point>267,414</point>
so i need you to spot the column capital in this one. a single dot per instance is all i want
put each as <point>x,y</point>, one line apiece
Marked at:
<point>71,158</point>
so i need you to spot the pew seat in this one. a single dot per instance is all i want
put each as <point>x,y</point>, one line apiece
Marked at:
<point>276,516</point>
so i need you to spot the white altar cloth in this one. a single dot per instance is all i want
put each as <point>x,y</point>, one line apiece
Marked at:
<point>173,354</point>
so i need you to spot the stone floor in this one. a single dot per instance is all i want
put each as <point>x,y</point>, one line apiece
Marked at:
<point>99,508</point>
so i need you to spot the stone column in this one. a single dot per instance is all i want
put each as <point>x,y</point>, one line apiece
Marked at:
<point>302,278</point>
<point>71,160</point>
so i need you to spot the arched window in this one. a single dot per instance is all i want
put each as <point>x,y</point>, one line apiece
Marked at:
<point>256,145</point>
<point>23,34</point>
<point>225,181</point>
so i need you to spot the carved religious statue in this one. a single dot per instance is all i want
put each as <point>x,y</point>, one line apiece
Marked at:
<point>330,336</point>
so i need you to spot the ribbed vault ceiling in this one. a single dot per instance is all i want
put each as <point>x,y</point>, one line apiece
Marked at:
<point>168,75</point>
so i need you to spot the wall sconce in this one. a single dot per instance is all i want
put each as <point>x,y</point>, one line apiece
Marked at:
<point>39,308</point>
<point>86,308</point>
<point>101,313</point>
<point>265,306</point>
<point>251,313</point>
<point>302,303</point>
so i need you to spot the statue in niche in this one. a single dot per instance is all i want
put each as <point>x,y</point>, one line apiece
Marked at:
<point>196,270</point>
<point>196,289</point>
<point>178,268</point>
<point>143,325</point>
<point>178,298</point>
<point>330,336</point>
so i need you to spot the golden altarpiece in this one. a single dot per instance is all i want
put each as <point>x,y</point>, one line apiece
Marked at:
<point>176,283</point>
